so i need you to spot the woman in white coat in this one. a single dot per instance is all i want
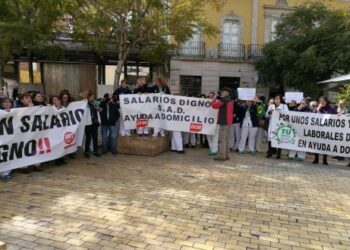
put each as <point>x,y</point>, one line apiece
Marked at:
<point>278,105</point>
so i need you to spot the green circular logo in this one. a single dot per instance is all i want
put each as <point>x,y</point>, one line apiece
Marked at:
<point>285,134</point>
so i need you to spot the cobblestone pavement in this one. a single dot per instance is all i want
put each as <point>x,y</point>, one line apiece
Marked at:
<point>178,202</point>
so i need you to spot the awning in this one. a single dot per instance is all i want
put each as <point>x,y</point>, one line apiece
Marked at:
<point>339,79</point>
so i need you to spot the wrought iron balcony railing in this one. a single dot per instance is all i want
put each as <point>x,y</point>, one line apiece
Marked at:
<point>192,49</point>
<point>255,51</point>
<point>231,51</point>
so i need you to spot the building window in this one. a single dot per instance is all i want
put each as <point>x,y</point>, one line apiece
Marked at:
<point>25,73</point>
<point>231,37</point>
<point>193,46</point>
<point>230,32</point>
<point>273,32</point>
<point>36,73</point>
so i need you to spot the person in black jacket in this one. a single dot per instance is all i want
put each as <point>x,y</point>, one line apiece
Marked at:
<point>124,89</point>
<point>160,87</point>
<point>142,88</point>
<point>109,114</point>
<point>91,128</point>
<point>303,107</point>
<point>249,127</point>
<point>238,115</point>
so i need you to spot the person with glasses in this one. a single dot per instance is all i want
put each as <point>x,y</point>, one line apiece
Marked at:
<point>303,107</point>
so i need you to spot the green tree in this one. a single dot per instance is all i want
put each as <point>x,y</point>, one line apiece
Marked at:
<point>344,94</point>
<point>138,24</point>
<point>28,25</point>
<point>311,44</point>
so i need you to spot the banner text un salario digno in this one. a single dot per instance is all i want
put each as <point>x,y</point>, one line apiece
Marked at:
<point>310,132</point>
<point>38,134</point>
<point>169,112</point>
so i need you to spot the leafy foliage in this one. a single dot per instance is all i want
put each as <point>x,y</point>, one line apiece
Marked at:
<point>311,45</point>
<point>138,24</point>
<point>27,24</point>
<point>344,94</point>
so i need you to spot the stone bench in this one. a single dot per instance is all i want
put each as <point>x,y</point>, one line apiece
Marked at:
<point>145,145</point>
<point>2,246</point>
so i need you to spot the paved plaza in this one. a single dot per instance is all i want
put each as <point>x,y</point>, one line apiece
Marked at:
<point>178,201</point>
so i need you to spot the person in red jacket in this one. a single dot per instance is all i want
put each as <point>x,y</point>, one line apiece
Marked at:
<point>225,118</point>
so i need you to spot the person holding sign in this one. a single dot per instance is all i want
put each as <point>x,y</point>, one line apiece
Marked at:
<point>249,127</point>
<point>5,106</point>
<point>124,89</point>
<point>278,105</point>
<point>225,118</point>
<point>91,127</point>
<point>142,88</point>
<point>323,108</point>
<point>303,107</point>
<point>160,87</point>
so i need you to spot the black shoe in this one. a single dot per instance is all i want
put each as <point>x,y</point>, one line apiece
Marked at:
<point>192,146</point>
<point>181,152</point>
<point>97,155</point>
<point>87,155</point>
<point>325,163</point>
<point>315,161</point>
<point>349,164</point>
<point>278,157</point>
<point>71,156</point>
<point>237,150</point>
<point>38,168</point>
<point>186,146</point>
<point>173,150</point>
<point>269,155</point>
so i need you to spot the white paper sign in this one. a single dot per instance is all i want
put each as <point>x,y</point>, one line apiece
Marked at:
<point>294,96</point>
<point>169,112</point>
<point>38,134</point>
<point>246,94</point>
<point>309,132</point>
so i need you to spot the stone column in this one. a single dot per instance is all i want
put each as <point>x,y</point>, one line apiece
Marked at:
<point>255,17</point>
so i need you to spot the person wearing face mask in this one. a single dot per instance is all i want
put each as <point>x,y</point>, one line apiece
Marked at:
<point>303,107</point>
<point>278,105</point>
<point>249,127</point>
<point>5,107</point>
<point>323,108</point>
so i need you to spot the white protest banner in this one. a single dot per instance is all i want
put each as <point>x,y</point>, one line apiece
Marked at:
<point>38,134</point>
<point>170,112</point>
<point>246,94</point>
<point>310,132</point>
<point>294,96</point>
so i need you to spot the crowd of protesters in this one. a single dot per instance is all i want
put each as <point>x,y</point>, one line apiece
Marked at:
<point>243,125</point>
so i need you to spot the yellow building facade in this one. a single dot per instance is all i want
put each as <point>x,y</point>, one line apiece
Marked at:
<point>206,64</point>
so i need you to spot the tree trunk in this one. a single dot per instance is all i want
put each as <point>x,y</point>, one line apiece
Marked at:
<point>122,55</point>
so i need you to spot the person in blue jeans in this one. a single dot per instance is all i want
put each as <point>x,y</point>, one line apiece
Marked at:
<point>109,113</point>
